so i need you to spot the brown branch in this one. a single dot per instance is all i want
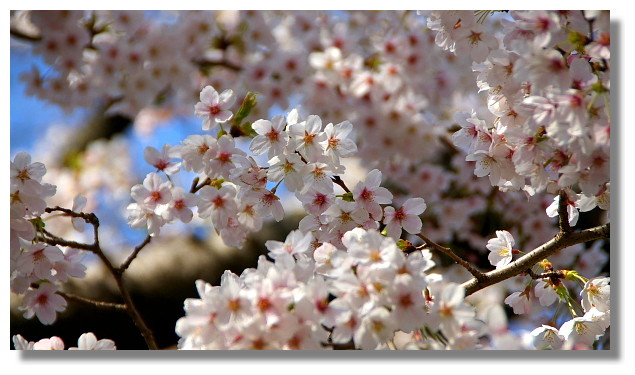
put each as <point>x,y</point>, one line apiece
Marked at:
<point>90,218</point>
<point>19,34</point>
<point>196,187</point>
<point>95,248</point>
<point>207,64</point>
<point>545,275</point>
<point>447,251</point>
<point>563,215</point>
<point>522,264</point>
<point>340,182</point>
<point>92,302</point>
<point>53,240</point>
<point>124,266</point>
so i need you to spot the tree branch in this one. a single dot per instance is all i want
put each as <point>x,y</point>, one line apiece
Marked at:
<point>447,251</point>
<point>19,34</point>
<point>124,266</point>
<point>522,264</point>
<point>195,187</point>
<point>563,215</point>
<point>92,302</point>
<point>95,248</point>
<point>340,182</point>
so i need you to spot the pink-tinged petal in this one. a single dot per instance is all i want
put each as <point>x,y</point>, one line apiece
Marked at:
<point>152,182</point>
<point>139,193</point>
<point>494,244</point>
<point>453,294</point>
<point>278,123</point>
<point>36,171</point>
<point>209,124</point>
<point>185,215</point>
<point>151,155</point>
<point>479,52</point>
<point>78,224</point>
<point>573,215</point>
<point>374,210</point>
<point>79,202</point>
<point>226,99</point>
<point>412,224</point>
<point>259,144</point>
<point>201,110</point>
<point>209,96</point>
<point>261,127</point>
<point>389,214</point>
<point>346,147</point>
<point>414,206</point>
<point>46,315</point>
<point>343,129</point>
<point>382,195</point>
<point>277,211</point>
<point>552,210</point>
<point>313,124</point>
<point>223,116</point>
<point>506,237</point>
<point>21,160</point>
<point>87,341</point>
<point>373,179</point>
<point>394,229</point>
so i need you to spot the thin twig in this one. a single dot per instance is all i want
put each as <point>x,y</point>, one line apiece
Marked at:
<point>545,275</point>
<point>447,251</point>
<point>340,182</point>
<point>124,266</point>
<point>206,64</point>
<point>563,215</point>
<point>196,187</point>
<point>92,302</point>
<point>95,248</point>
<point>53,240</point>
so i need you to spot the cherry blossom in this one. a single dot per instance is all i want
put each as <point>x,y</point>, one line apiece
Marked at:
<point>88,341</point>
<point>214,108</point>
<point>547,337</point>
<point>406,217</point>
<point>501,249</point>
<point>271,136</point>
<point>370,195</point>
<point>596,293</point>
<point>44,303</point>
<point>520,97</point>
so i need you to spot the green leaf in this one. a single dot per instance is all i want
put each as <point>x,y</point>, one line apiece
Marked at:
<point>248,104</point>
<point>38,224</point>
<point>406,246</point>
<point>348,197</point>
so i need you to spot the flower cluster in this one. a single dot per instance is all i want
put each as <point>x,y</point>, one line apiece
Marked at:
<point>401,96</point>
<point>87,341</point>
<point>345,277</point>
<point>582,331</point>
<point>36,267</point>
<point>548,86</point>
<point>311,299</point>
<point>236,195</point>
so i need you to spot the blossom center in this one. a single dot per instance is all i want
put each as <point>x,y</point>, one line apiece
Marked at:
<point>366,195</point>
<point>405,300</point>
<point>272,135</point>
<point>214,110</point>
<point>23,175</point>
<point>224,157</point>
<point>155,196</point>
<point>234,305</point>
